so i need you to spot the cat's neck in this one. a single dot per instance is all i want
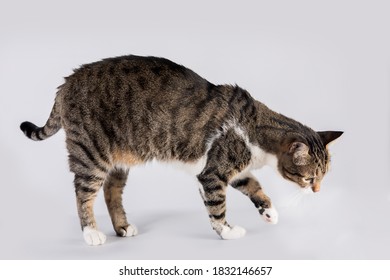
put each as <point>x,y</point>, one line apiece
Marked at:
<point>271,130</point>
<point>264,127</point>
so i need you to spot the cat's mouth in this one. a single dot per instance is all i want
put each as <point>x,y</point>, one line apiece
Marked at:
<point>311,189</point>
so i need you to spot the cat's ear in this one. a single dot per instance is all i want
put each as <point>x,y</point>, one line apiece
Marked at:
<point>328,136</point>
<point>300,153</point>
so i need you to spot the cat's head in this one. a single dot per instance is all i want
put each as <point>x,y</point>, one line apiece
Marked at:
<point>306,160</point>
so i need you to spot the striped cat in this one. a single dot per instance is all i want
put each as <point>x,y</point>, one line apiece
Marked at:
<point>124,111</point>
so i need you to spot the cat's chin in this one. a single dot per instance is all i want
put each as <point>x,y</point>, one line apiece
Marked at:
<point>306,191</point>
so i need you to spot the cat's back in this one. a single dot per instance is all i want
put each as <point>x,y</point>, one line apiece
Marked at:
<point>139,86</point>
<point>132,75</point>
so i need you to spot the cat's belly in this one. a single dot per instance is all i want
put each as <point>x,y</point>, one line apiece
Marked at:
<point>193,168</point>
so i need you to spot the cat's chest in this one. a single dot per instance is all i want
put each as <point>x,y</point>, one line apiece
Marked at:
<point>260,158</point>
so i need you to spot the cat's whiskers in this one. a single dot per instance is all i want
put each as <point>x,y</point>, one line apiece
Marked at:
<point>296,198</point>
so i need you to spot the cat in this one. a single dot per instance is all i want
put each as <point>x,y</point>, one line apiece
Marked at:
<point>123,111</point>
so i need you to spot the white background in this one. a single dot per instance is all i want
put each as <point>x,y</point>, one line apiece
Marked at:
<point>324,63</point>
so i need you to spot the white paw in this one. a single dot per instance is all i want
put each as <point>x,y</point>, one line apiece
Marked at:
<point>131,230</point>
<point>234,232</point>
<point>270,215</point>
<point>93,237</point>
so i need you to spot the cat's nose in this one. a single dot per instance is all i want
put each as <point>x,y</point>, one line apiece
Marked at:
<point>316,187</point>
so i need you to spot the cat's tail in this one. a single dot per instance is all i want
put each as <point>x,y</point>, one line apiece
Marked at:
<point>53,124</point>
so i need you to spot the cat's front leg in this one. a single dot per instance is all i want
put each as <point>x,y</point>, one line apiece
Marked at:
<point>248,185</point>
<point>227,157</point>
<point>214,198</point>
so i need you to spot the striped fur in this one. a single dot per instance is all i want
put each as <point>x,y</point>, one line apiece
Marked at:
<point>51,127</point>
<point>125,111</point>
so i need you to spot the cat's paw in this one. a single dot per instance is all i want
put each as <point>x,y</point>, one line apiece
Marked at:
<point>233,232</point>
<point>130,230</point>
<point>93,237</point>
<point>270,215</point>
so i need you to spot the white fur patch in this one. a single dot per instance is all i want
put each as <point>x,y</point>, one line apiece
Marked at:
<point>234,232</point>
<point>193,168</point>
<point>93,237</point>
<point>259,157</point>
<point>270,215</point>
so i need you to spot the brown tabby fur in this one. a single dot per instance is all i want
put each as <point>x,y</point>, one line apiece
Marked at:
<point>128,110</point>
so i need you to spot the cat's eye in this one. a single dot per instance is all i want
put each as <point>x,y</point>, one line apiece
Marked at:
<point>309,180</point>
<point>293,173</point>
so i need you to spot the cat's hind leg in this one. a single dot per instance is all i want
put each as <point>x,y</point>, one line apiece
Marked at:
<point>248,185</point>
<point>87,187</point>
<point>90,169</point>
<point>113,190</point>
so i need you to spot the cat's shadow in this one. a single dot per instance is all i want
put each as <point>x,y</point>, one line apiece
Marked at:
<point>149,223</point>
<point>183,224</point>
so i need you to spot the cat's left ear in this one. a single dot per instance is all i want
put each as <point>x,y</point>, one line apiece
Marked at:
<point>328,136</point>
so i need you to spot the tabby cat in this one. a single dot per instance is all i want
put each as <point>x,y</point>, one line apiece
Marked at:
<point>124,111</point>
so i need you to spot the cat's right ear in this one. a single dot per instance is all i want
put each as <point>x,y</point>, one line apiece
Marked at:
<point>328,137</point>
